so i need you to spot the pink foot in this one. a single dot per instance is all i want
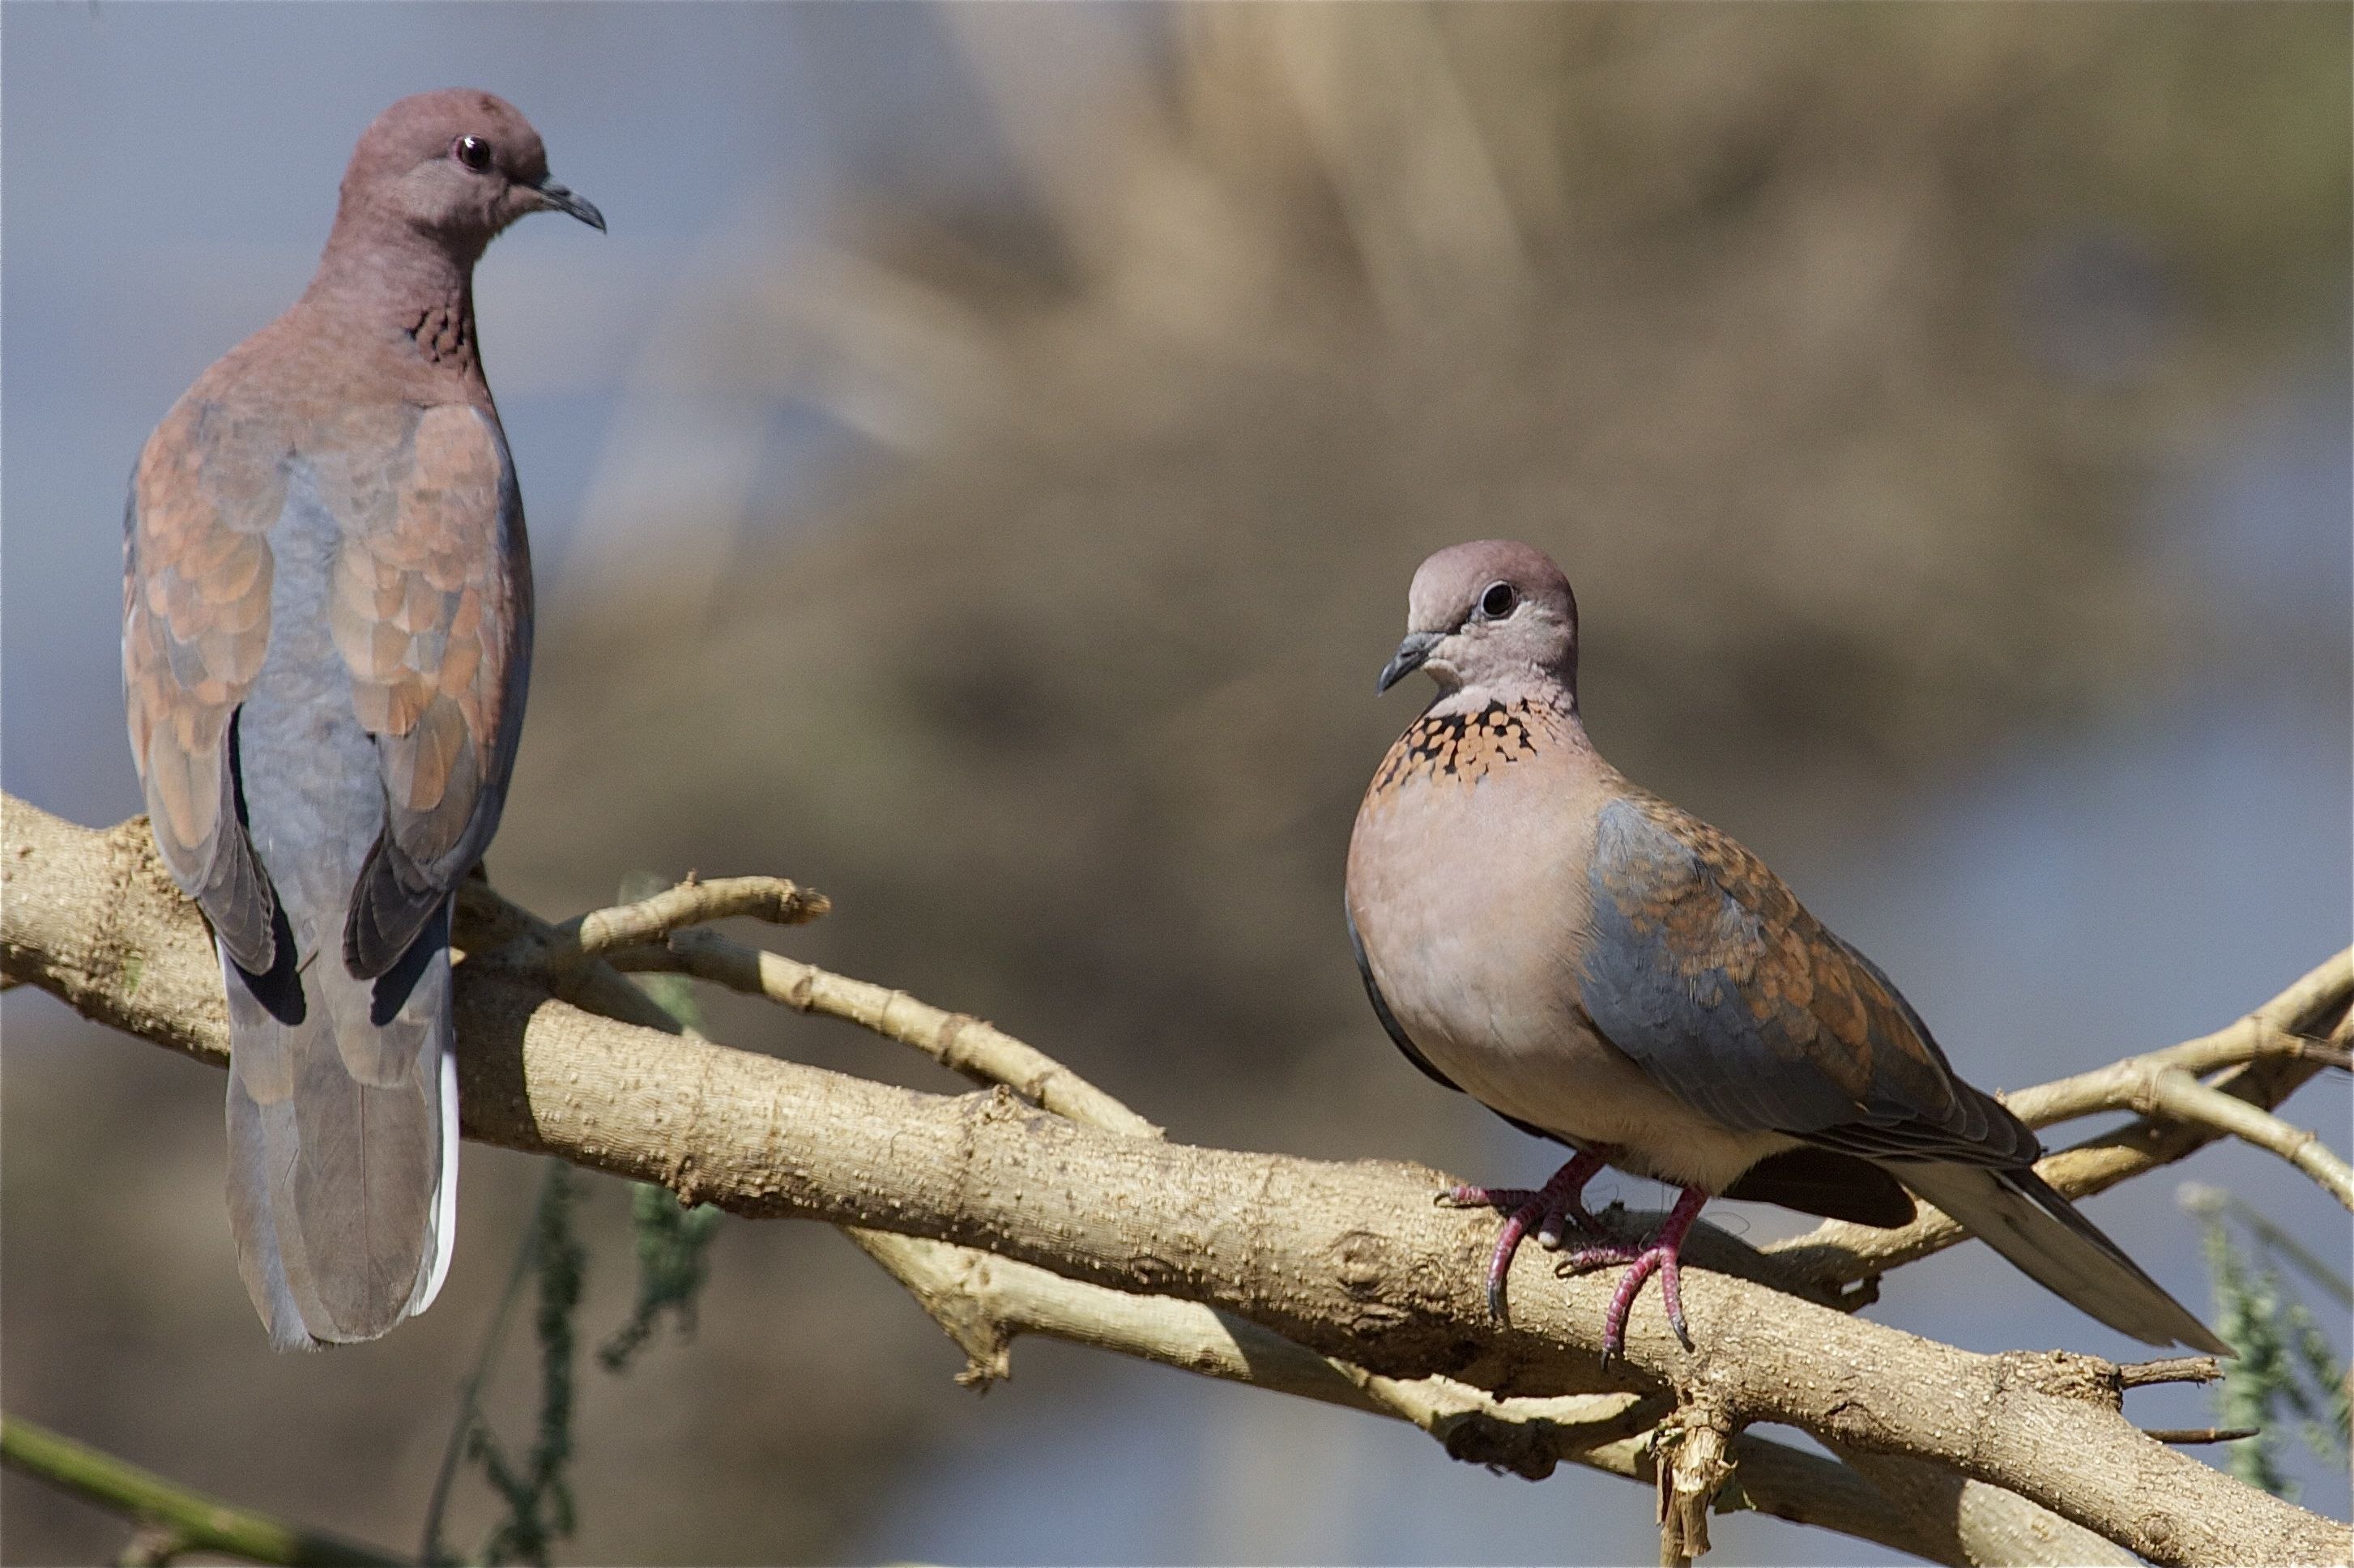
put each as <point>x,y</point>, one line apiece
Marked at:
<point>1660,1256</point>
<point>1544,1209</point>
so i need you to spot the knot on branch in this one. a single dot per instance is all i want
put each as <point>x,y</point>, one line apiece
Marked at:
<point>2064,1374</point>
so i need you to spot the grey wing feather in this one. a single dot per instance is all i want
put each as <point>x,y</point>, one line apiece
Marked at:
<point>1706,970</point>
<point>195,622</point>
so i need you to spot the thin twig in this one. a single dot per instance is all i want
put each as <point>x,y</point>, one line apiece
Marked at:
<point>2191,1436</point>
<point>979,1050</point>
<point>2170,1368</point>
<point>691,903</point>
<point>196,1522</point>
<point>2175,1093</point>
<point>2270,1031</point>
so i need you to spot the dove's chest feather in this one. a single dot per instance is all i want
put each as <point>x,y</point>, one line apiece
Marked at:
<point>1468,885</point>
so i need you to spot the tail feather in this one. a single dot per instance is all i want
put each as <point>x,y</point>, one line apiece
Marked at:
<point>342,1142</point>
<point>2016,1213</point>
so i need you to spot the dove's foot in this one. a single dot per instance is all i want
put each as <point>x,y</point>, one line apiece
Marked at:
<point>1660,1256</point>
<point>1541,1209</point>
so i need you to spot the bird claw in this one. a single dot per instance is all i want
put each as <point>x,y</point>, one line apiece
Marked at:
<point>1542,1208</point>
<point>1662,1255</point>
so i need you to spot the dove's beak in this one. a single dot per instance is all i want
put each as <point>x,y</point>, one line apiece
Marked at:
<point>559,199</point>
<point>1409,657</point>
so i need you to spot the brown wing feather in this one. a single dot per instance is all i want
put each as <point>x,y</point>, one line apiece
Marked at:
<point>1815,999</point>
<point>431,613</point>
<point>195,625</point>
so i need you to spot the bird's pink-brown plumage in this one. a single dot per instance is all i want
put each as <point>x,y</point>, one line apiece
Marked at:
<point>326,643</point>
<point>1603,968</point>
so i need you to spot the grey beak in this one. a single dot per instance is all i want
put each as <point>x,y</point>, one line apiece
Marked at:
<point>1409,657</point>
<point>561,200</point>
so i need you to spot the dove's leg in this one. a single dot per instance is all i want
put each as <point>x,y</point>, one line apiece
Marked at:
<point>1658,1256</point>
<point>1543,1210</point>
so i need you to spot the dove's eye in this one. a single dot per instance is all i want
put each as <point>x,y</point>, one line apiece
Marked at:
<point>1498,601</point>
<point>471,151</point>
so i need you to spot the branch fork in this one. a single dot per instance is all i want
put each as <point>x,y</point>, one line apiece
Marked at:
<point>1082,1224</point>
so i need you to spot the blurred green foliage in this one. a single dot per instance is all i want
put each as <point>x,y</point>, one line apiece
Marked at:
<point>2285,1367</point>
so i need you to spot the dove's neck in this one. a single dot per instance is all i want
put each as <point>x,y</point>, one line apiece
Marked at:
<point>1541,690</point>
<point>404,287</point>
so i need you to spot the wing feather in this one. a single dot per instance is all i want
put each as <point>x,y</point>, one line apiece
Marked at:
<point>195,625</point>
<point>1707,971</point>
<point>431,613</point>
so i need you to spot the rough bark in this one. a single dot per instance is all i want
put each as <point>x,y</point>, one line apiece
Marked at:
<point>1351,1260</point>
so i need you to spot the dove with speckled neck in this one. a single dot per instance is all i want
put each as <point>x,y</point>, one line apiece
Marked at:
<point>1605,971</point>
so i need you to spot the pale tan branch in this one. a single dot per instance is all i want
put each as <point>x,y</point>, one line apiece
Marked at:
<point>931,1270</point>
<point>509,936</point>
<point>2279,1030</point>
<point>984,1302</point>
<point>979,1050</point>
<point>650,919</point>
<point>1351,1261</point>
<point>942,1277</point>
<point>2196,1436</point>
<point>2281,1027</point>
<point>2175,1093</point>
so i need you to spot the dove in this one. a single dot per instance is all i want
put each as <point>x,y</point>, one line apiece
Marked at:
<point>326,640</point>
<point>1604,970</point>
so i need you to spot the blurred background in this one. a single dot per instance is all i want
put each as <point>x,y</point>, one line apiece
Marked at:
<point>979,476</point>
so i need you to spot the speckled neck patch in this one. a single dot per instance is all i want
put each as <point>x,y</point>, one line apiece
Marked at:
<point>444,334</point>
<point>1467,747</point>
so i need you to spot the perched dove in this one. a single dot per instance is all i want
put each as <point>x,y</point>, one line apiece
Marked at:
<point>326,637</point>
<point>1601,968</point>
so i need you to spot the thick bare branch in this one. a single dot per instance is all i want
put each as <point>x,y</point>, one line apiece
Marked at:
<point>1351,1261</point>
<point>984,1302</point>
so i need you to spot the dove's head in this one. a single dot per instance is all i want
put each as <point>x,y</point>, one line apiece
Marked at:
<point>457,165</point>
<point>1495,614</point>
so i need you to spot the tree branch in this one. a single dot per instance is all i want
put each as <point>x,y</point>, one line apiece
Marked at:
<point>691,903</point>
<point>180,1518</point>
<point>963,1043</point>
<point>2172,1092</point>
<point>1351,1261</point>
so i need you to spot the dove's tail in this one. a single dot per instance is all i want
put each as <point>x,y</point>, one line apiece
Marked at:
<point>2016,1213</point>
<point>342,1124</point>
